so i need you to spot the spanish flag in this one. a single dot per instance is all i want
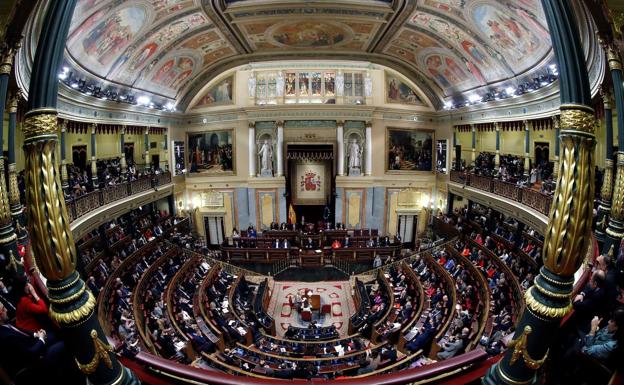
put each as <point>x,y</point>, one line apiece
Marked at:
<point>292,217</point>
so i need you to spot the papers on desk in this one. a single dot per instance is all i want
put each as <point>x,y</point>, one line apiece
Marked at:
<point>241,330</point>
<point>180,345</point>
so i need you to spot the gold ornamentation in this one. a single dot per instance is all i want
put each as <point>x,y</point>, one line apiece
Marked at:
<point>519,346</point>
<point>75,315</point>
<point>507,379</point>
<point>14,101</point>
<point>70,298</point>
<point>567,234</point>
<point>13,263</point>
<point>102,352</point>
<point>607,183</point>
<point>14,194</point>
<point>5,210</point>
<point>617,204</point>
<point>40,122</point>
<point>615,63</point>
<point>550,293</point>
<point>577,117</point>
<point>52,240</point>
<point>543,310</point>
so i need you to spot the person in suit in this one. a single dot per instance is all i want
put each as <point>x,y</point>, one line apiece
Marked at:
<point>276,244</point>
<point>23,349</point>
<point>309,244</point>
<point>454,345</point>
<point>285,244</point>
<point>346,242</point>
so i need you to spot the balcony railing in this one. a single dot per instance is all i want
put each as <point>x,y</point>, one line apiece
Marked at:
<point>77,207</point>
<point>527,196</point>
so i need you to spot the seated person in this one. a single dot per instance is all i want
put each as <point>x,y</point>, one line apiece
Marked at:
<point>309,243</point>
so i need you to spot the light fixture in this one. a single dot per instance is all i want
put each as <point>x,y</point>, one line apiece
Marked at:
<point>448,105</point>
<point>510,91</point>
<point>143,100</point>
<point>473,98</point>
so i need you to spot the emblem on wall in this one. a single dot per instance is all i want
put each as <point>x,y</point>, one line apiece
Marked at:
<point>311,181</point>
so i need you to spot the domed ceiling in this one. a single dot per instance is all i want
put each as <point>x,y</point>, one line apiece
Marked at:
<point>171,48</point>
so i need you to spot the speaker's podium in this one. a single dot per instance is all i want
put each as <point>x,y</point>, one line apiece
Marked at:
<point>311,258</point>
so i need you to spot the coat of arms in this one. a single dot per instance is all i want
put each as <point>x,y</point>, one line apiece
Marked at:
<point>311,181</point>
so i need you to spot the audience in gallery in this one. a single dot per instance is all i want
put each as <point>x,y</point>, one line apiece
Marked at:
<point>109,173</point>
<point>511,169</point>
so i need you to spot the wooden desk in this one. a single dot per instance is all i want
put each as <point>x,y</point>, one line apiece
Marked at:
<point>315,302</point>
<point>310,258</point>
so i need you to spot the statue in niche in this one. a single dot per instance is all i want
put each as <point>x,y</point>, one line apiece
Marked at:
<point>355,158</point>
<point>266,159</point>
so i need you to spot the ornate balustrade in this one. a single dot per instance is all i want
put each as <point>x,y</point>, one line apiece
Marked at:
<point>77,207</point>
<point>527,196</point>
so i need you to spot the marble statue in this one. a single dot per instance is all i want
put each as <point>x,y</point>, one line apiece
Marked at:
<point>355,157</point>
<point>266,159</point>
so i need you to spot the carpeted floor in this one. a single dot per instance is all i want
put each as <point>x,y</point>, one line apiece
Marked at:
<point>335,293</point>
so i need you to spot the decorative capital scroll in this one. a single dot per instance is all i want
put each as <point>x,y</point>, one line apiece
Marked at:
<point>252,125</point>
<point>613,57</point>
<point>101,353</point>
<point>577,117</point>
<point>519,346</point>
<point>40,122</point>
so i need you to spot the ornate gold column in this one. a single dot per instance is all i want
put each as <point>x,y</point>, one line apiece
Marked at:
<point>615,231</point>
<point>567,236</point>
<point>606,190</point>
<point>557,146</point>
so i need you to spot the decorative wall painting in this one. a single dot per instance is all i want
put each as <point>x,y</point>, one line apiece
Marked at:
<point>219,94</point>
<point>409,150</point>
<point>398,91</point>
<point>211,152</point>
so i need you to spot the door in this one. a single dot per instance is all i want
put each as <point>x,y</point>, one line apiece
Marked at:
<point>155,161</point>
<point>79,157</point>
<point>407,228</point>
<point>213,226</point>
<point>457,158</point>
<point>129,153</point>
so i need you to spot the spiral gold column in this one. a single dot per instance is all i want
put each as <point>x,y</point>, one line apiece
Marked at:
<point>568,233</point>
<point>72,305</point>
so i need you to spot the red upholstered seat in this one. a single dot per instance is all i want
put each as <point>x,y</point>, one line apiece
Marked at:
<point>326,308</point>
<point>306,316</point>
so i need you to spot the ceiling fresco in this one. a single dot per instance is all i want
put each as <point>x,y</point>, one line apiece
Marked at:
<point>172,48</point>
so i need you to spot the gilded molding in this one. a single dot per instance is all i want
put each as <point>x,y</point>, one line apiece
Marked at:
<point>101,353</point>
<point>577,117</point>
<point>607,182</point>
<point>14,194</point>
<point>14,101</point>
<point>509,380</point>
<point>549,293</point>
<point>47,214</point>
<point>544,310</point>
<point>70,298</point>
<point>76,315</point>
<point>519,346</point>
<point>40,122</point>
<point>566,237</point>
<point>617,204</point>
<point>5,210</point>
<point>5,68</point>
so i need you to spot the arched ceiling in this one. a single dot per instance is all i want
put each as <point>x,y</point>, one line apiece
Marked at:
<point>171,48</point>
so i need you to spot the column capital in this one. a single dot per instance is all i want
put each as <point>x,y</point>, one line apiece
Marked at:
<point>613,57</point>
<point>252,125</point>
<point>340,123</point>
<point>147,130</point>
<point>123,129</point>
<point>63,125</point>
<point>278,123</point>
<point>93,128</point>
<point>472,127</point>
<point>497,126</point>
<point>14,101</point>
<point>527,124</point>
<point>556,121</point>
<point>7,54</point>
<point>369,124</point>
<point>607,97</point>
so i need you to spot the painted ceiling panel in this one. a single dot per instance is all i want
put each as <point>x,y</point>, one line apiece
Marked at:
<point>450,46</point>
